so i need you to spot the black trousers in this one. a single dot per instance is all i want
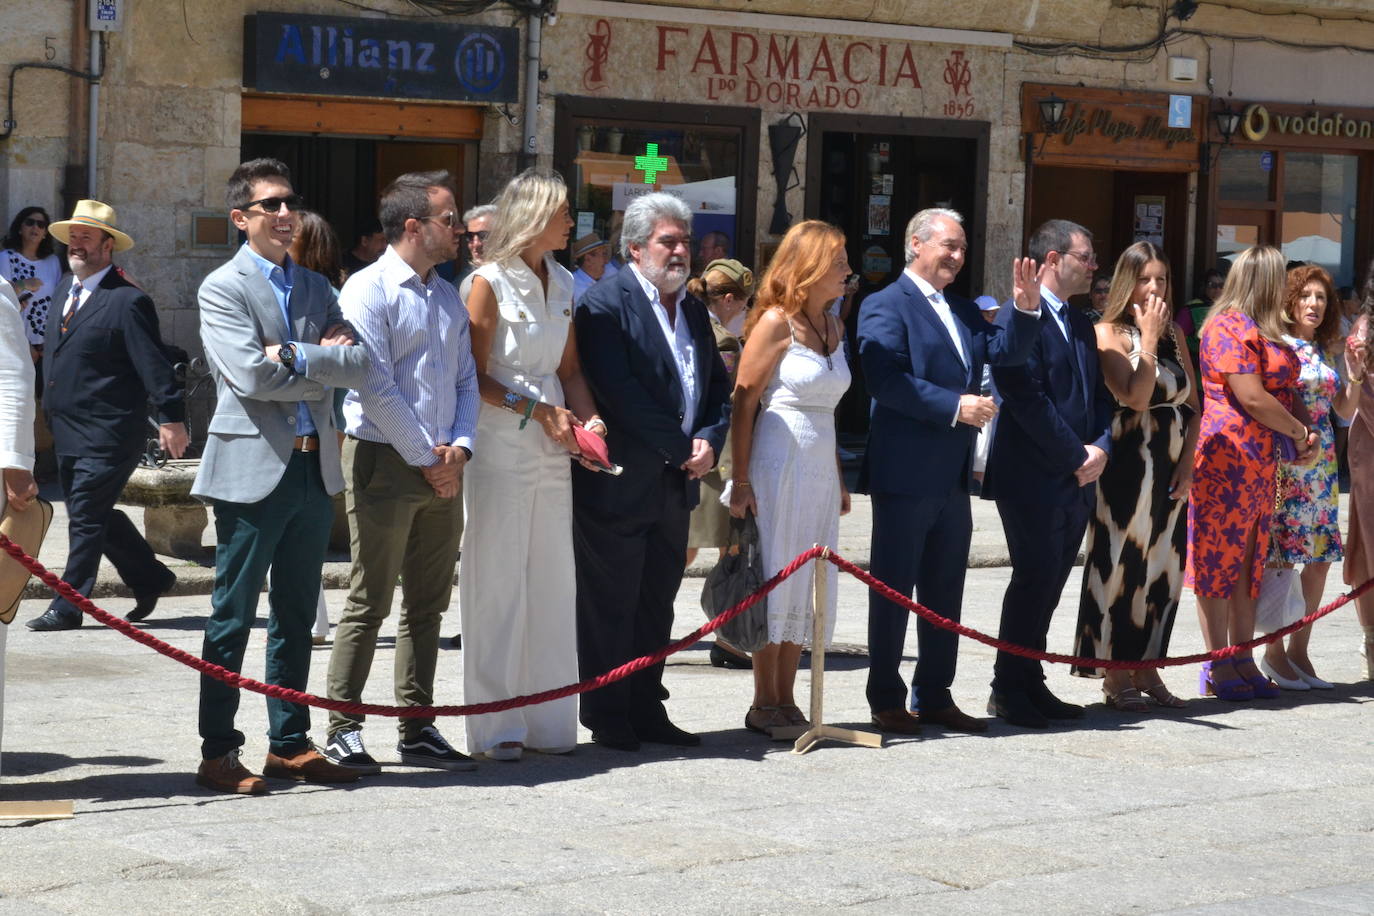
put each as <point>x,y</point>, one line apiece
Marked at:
<point>629,567</point>
<point>1043,543</point>
<point>90,486</point>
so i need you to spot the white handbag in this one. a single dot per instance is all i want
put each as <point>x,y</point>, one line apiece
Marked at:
<point>1281,601</point>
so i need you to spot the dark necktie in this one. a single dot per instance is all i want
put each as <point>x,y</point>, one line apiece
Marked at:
<point>71,304</point>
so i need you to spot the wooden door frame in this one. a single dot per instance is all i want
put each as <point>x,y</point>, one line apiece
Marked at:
<point>818,124</point>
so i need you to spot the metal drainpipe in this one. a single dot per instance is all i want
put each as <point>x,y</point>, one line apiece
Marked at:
<point>531,117</point>
<point>93,120</point>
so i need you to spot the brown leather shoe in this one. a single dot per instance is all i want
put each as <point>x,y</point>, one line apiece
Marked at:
<point>896,721</point>
<point>308,765</point>
<point>954,719</point>
<point>227,774</point>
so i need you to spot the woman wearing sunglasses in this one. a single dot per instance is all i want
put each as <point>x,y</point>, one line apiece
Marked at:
<point>28,262</point>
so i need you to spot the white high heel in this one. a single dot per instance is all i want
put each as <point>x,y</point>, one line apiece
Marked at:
<point>1284,682</point>
<point>1311,679</point>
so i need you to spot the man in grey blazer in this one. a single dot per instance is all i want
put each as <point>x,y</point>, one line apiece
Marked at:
<point>277,343</point>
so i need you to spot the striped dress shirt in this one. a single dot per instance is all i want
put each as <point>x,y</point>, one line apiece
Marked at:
<point>421,388</point>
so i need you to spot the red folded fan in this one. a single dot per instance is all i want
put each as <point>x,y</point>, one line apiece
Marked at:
<point>594,449</point>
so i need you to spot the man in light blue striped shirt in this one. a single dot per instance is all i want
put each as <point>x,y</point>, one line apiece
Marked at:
<point>410,428</point>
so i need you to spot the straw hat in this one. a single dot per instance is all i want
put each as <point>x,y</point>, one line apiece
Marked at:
<point>95,214</point>
<point>589,242</point>
<point>27,529</point>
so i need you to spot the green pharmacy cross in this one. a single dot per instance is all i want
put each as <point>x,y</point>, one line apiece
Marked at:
<point>651,163</point>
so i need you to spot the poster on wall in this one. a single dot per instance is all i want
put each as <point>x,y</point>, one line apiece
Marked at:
<point>879,214</point>
<point>1149,219</point>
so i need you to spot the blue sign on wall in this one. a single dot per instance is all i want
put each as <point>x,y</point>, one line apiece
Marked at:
<point>1180,111</point>
<point>336,55</point>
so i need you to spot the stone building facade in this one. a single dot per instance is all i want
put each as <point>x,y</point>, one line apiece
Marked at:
<point>958,89</point>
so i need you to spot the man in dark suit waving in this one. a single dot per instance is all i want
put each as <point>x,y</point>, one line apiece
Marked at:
<point>923,351</point>
<point>102,362</point>
<point>1050,447</point>
<point>650,358</point>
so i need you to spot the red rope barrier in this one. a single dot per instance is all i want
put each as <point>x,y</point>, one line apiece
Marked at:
<point>235,679</point>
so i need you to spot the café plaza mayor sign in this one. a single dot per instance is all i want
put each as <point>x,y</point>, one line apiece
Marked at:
<point>793,70</point>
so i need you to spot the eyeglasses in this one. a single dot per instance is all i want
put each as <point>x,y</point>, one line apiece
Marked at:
<point>449,218</point>
<point>274,204</point>
<point>1088,259</point>
<point>481,236</point>
<point>32,222</point>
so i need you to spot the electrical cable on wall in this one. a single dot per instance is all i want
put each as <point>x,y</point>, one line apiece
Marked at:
<point>10,123</point>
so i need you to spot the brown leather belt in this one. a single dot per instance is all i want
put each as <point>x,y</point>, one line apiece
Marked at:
<point>306,444</point>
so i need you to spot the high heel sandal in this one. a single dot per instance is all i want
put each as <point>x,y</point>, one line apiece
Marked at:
<point>1162,696</point>
<point>794,715</point>
<point>1127,699</point>
<point>1234,689</point>
<point>1263,688</point>
<point>768,718</point>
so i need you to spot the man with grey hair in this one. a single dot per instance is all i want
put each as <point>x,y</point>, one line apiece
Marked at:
<point>650,358</point>
<point>1050,447</point>
<point>923,350</point>
<point>478,221</point>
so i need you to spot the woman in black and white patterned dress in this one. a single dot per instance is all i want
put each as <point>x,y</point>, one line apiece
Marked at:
<point>28,262</point>
<point>1137,540</point>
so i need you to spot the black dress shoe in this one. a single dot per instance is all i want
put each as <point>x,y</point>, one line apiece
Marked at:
<point>1016,709</point>
<point>146,602</point>
<point>618,739</point>
<point>1050,706</point>
<point>53,619</point>
<point>724,658</point>
<point>666,732</point>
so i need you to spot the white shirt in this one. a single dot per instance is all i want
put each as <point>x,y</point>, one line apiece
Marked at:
<point>942,311</point>
<point>679,338</point>
<point>88,286</point>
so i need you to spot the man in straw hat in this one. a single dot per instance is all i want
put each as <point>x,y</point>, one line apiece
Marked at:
<point>16,434</point>
<point>102,362</point>
<point>590,254</point>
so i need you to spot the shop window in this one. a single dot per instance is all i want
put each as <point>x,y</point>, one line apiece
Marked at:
<point>1246,174</point>
<point>612,152</point>
<point>1318,217</point>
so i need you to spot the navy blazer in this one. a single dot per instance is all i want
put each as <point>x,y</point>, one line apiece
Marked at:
<point>1050,411</point>
<point>916,378</point>
<point>633,377</point>
<point>99,375</point>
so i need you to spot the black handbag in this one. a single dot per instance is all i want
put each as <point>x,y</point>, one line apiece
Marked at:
<point>737,576</point>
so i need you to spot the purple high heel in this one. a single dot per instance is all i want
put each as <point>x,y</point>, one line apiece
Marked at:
<point>1235,689</point>
<point>1263,688</point>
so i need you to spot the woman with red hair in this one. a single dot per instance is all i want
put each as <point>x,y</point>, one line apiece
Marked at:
<point>1305,527</point>
<point>791,375</point>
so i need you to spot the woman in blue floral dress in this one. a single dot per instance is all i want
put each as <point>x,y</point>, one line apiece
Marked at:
<point>1305,527</point>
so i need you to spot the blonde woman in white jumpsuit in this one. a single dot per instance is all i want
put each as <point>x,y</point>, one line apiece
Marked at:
<point>517,584</point>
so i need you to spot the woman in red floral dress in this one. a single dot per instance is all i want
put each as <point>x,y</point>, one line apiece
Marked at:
<point>1248,375</point>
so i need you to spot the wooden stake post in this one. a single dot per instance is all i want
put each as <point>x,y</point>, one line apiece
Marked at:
<point>819,732</point>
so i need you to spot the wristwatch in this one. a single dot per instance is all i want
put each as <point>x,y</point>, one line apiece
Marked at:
<point>287,355</point>
<point>510,399</point>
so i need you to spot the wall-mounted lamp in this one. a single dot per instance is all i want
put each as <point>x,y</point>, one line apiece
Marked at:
<point>1227,120</point>
<point>1051,113</point>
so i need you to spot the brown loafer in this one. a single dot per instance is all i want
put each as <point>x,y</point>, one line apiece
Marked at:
<point>227,774</point>
<point>954,719</point>
<point>308,765</point>
<point>896,721</point>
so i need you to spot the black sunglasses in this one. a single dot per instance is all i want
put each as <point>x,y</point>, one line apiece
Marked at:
<point>274,204</point>
<point>477,235</point>
<point>34,221</point>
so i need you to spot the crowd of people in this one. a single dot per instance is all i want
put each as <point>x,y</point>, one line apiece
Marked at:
<point>1181,445</point>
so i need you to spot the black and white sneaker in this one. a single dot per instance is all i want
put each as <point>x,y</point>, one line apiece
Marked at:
<point>431,750</point>
<point>346,749</point>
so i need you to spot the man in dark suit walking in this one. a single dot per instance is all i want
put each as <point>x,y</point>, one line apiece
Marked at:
<point>650,358</point>
<point>923,351</point>
<point>1051,445</point>
<point>102,362</point>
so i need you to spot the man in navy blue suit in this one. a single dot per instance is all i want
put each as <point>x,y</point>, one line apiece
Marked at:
<point>650,358</point>
<point>923,352</point>
<point>1050,447</point>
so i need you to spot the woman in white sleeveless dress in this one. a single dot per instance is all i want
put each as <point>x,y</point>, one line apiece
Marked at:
<point>792,373</point>
<point>517,585</point>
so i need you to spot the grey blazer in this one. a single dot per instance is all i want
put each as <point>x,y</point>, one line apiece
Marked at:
<point>254,425</point>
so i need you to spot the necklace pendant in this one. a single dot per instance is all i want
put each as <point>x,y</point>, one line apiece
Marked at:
<point>828,364</point>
